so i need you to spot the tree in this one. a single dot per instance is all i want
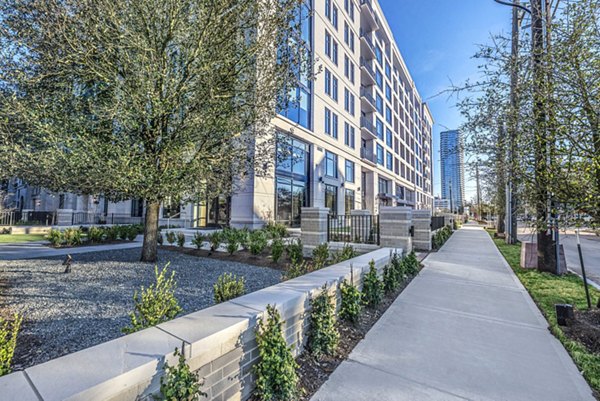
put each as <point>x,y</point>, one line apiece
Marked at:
<point>153,99</point>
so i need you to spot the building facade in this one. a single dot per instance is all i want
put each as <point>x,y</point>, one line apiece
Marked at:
<point>359,135</point>
<point>452,165</point>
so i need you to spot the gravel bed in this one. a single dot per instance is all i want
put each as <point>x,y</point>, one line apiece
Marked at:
<point>64,313</point>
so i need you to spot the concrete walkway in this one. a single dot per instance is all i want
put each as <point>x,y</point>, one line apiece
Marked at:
<point>464,329</point>
<point>32,250</point>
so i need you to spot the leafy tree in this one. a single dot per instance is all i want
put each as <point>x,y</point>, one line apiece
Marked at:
<point>165,100</point>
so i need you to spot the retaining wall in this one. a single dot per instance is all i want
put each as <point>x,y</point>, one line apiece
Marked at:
<point>220,345</point>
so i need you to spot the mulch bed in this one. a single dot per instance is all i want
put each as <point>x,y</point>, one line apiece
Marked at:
<point>585,328</point>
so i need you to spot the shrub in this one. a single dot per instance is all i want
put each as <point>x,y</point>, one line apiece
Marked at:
<point>155,304</point>
<point>276,376</point>
<point>244,237</point>
<point>258,242</point>
<point>179,382</point>
<point>275,230</point>
<point>399,266</point>
<point>320,255</point>
<point>294,251</point>
<point>198,240</point>
<point>351,302</point>
<point>372,287</point>
<point>277,248</point>
<point>180,239</point>
<point>171,238</point>
<point>72,236</point>
<point>112,233</point>
<point>215,240</point>
<point>132,233</point>
<point>323,337</point>
<point>228,287</point>
<point>122,232</point>
<point>55,237</point>
<point>346,253</point>
<point>8,342</point>
<point>95,234</point>
<point>297,269</point>
<point>390,279</point>
<point>233,240</point>
<point>411,264</point>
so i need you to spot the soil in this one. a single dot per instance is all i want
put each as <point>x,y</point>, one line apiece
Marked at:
<point>89,243</point>
<point>585,328</point>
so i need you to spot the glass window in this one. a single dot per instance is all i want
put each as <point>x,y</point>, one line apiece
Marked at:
<point>388,137</point>
<point>331,169</point>
<point>378,54</point>
<point>389,161</point>
<point>388,115</point>
<point>388,92</point>
<point>328,9</point>
<point>346,33</point>
<point>334,88</point>
<point>379,103</point>
<point>388,70</point>
<point>379,154</point>
<point>331,198</point>
<point>327,121</point>
<point>334,52</point>
<point>327,82</point>
<point>137,207</point>
<point>349,171</point>
<point>334,125</point>
<point>328,44</point>
<point>334,16</point>
<point>378,78</point>
<point>379,128</point>
<point>349,200</point>
<point>383,186</point>
<point>348,135</point>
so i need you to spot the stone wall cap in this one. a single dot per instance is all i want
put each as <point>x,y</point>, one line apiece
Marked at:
<point>16,387</point>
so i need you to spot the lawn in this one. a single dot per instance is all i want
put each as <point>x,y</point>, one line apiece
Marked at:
<point>547,290</point>
<point>14,238</point>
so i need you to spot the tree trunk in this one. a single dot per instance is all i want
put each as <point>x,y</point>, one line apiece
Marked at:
<point>150,247</point>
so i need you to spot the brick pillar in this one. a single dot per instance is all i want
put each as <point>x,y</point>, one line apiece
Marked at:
<point>313,228</point>
<point>64,217</point>
<point>394,227</point>
<point>422,223</point>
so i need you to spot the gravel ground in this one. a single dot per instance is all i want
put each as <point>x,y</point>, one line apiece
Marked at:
<point>64,313</point>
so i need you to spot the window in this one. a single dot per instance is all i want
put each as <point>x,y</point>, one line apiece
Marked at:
<point>348,200</point>
<point>348,135</point>
<point>383,186</point>
<point>334,52</point>
<point>291,184</point>
<point>351,44</point>
<point>379,78</point>
<point>171,208</point>
<point>331,164</point>
<point>334,125</point>
<point>346,33</point>
<point>388,115</point>
<point>379,128</point>
<point>389,161</point>
<point>388,70</point>
<point>61,201</point>
<point>388,137</point>
<point>327,82</point>
<point>328,9</point>
<point>348,68</point>
<point>378,55</point>
<point>348,101</point>
<point>331,198</point>
<point>349,7</point>
<point>379,154</point>
<point>334,16</point>
<point>334,88</point>
<point>349,171</point>
<point>388,92</point>
<point>379,103</point>
<point>327,44</point>
<point>327,121</point>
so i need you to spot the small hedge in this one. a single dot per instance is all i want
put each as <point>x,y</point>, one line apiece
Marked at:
<point>95,235</point>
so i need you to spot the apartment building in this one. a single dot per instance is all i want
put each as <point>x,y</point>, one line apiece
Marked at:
<point>358,137</point>
<point>452,165</point>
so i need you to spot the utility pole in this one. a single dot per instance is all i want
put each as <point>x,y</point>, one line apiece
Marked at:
<point>451,207</point>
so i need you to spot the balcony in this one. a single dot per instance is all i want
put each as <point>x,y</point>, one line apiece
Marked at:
<point>366,8</point>
<point>368,155</point>
<point>367,46</point>
<point>367,126</point>
<point>367,100</point>
<point>367,75</point>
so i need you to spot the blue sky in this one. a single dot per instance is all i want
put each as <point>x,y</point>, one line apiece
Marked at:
<point>437,39</point>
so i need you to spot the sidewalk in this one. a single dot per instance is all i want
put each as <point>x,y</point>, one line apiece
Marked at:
<point>32,250</point>
<point>464,329</point>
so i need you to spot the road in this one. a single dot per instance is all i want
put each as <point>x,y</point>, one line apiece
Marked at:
<point>590,248</point>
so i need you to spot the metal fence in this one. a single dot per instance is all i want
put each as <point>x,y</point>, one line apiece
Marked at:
<point>353,229</point>
<point>437,222</point>
<point>30,218</point>
<point>80,218</point>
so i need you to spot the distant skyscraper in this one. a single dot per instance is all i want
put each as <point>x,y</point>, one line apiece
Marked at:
<point>452,168</point>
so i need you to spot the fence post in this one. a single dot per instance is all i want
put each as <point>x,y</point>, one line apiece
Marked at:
<point>422,224</point>
<point>313,226</point>
<point>394,227</point>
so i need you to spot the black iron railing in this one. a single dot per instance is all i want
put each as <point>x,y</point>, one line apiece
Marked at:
<point>30,218</point>
<point>437,222</point>
<point>80,218</point>
<point>353,229</point>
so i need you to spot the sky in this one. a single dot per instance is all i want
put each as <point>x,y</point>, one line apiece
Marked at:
<point>437,39</point>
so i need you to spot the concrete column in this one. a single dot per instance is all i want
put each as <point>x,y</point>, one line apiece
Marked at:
<point>313,228</point>
<point>64,217</point>
<point>394,227</point>
<point>422,223</point>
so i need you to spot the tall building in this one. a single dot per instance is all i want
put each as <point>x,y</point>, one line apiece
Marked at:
<point>452,169</point>
<point>359,135</point>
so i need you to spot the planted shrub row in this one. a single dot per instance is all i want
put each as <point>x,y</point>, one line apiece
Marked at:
<point>441,236</point>
<point>94,234</point>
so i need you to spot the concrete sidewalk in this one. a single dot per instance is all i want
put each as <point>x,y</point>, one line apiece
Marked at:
<point>32,250</point>
<point>464,329</point>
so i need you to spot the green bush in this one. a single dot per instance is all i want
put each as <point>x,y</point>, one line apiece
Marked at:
<point>323,337</point>
<point>180,239</point>
<point>399,267</point>
<point>275,230</point>
<point>412,264</point>
<point>72,236</point>
<point>228,287</point>
<point>232,237</point>
<point>277,248</point>
<point>351,302</point>
<point>198,240</point>
<point>155,304</point>
<point>372,290</point>
<point>294,251</point>
<point>179,383</point>
<point>258,242</point>
<point>132,233</point>
<point>8,342</point>
<point>215,240</point>
<point>55,237</point>
<point>297,269</point>
<point>390,279</point>
<point>244,237</point>
<point>112,233</point>
<point>95,234</point>
<point>320,255</point>
<point>171,237</point>
<point>346,253</point>
<point>276,370</point>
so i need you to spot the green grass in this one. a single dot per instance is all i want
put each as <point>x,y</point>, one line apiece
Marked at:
<point>547,290</point>
<point>14,238</point>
